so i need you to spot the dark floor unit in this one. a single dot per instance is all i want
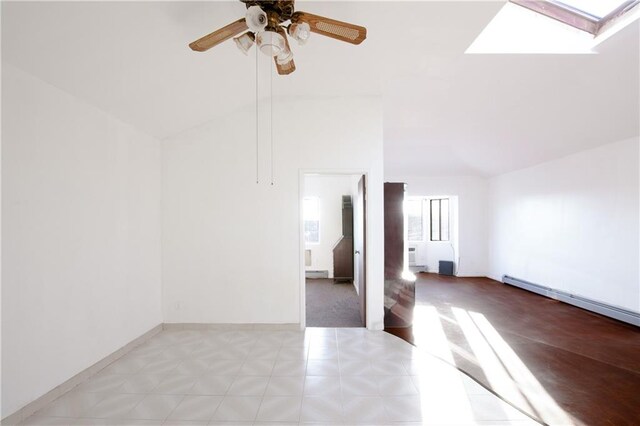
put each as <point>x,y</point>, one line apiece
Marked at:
<point>445,267</point>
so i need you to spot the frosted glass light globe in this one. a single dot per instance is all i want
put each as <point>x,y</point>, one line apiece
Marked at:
<point>284,57</point>
<point>244,42</point>
<point>300,32</point>
<point>270,43</point>
<point>256,19</point>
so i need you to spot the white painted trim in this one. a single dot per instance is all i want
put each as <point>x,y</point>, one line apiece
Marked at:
<point>331,172</point>
<point>58,391</point>
<point>301,248</point>
<point>605,309</point>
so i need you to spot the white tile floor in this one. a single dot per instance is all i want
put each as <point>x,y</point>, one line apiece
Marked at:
<point>321,376</point>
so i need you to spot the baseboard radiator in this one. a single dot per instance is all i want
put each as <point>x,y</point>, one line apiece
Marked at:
<point>316,274</point>
<point>611,311</point>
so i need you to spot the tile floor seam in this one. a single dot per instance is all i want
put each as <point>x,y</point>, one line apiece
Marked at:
<point>304,384</point>
<point>324,360</point>
<point>174,409</point>
<point>262,397</point>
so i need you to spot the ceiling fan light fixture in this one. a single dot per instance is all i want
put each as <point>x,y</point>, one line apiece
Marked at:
<point>244,42</point>
<point>284,57</point>
<point>270,43</point>
<point>256,19</point>
<point>300,31</point>
<point>270,23</point>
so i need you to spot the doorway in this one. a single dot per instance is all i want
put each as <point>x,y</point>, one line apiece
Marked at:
<point>432,234</point>
<point>333,243</point>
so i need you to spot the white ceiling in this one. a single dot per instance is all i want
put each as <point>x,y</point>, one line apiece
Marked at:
<point>445,113</point>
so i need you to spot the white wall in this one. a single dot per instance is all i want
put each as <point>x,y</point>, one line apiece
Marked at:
<point>232,249</point>
<point>81,236</point>
<point>571,224</point>
<point>472,214</point>
<point>329,190</point>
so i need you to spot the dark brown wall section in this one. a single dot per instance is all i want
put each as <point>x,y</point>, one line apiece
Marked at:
<point>399,293</point>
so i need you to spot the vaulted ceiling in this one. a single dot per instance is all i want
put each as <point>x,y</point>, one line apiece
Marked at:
<point>445,113</point>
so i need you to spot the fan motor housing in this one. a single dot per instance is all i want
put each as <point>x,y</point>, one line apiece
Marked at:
<point>283,9</point>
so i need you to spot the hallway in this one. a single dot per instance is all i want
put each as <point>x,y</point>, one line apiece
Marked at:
<point>557,362</point>
<point>332,305</point>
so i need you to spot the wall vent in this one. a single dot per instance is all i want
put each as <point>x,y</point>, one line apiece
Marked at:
<point>611,311</point>
<point>412,256</point>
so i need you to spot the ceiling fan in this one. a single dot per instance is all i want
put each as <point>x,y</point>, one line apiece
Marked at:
<point>267,24</point>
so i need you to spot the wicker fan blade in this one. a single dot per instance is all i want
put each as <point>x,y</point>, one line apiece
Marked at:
<point>217,37</point>
<point>338,30</point>
<point>289,67</point>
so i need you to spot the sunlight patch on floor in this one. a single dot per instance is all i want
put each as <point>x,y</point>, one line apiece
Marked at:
<point>455,399</point>
<point>505,371</point>
<point>430,334</point>
<point>528,385</point>
<point>491,365</point>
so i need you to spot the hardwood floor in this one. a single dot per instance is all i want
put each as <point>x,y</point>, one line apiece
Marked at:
<point>562,364</point>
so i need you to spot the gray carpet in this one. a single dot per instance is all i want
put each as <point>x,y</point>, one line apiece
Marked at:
<point>332,305</point>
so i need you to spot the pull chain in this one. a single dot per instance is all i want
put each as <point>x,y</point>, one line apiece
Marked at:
<point>271,112</point>
<point>257,146</point>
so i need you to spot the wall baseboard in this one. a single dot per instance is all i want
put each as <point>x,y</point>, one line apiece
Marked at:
<point>601,308</point>
<point>58,391</point>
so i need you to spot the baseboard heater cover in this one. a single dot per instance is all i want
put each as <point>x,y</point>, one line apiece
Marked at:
<point>611,311</point>
<point>316,274</point>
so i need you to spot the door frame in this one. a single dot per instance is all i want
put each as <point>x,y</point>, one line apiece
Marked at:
<point>327,172</point>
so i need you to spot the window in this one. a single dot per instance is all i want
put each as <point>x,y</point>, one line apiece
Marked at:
<point>591,16</point>
<point>311,215</point>
<point>414,220</point>
<point>439,219</point>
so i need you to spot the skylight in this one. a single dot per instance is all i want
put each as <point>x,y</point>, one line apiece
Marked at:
<point>518,30</point>
<point>548,27</point>
<point>596,8</point>
<point>592,16</point>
